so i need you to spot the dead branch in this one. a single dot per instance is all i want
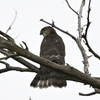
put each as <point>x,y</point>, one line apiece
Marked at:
<point>7,37</point>
<point>97,91</point>
<point>79,19</point>
<point>20,60</point>
<point>31,66</point>
<point>68,70</point>
<point>5,58</point>
<point>12,21</point>
<point>85,56</point>
<point>71,7</point>
<point>88,19</point>
<point>10,68</point>
<point>26,47</point>
<point>79,40</point>
<point>86,30</point>
<point>89,94</point>
<point>73,37</point>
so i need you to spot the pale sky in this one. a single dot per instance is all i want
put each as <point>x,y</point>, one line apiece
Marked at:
<point>16,85</point>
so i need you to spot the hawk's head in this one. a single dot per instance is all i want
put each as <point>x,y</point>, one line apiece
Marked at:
<point>46,30</point>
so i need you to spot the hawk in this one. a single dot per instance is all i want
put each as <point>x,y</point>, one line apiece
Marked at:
<point>53,49</point>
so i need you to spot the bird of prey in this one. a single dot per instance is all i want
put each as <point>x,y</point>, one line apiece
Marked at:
<point>53,49</point>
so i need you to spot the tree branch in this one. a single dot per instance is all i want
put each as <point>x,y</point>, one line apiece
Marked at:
<point>53,25</point>
<point>68,70</point>
<point>31,66</point>
<point>88,19</point>
<point>89,94</point>
<point>10,68</point>
<point>20,60</point>
<point>79,39</point>
<point>86,30</point>
<point>12,22</point>
<point>71,7</point>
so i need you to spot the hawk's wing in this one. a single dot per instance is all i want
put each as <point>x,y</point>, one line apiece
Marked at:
<point>53,49</point>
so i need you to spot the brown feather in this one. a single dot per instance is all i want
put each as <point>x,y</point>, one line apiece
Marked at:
<point>53,49</point>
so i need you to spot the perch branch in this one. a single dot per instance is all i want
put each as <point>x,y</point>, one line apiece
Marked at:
<point>26,47</point>
<point>68,70</point>
<point>31,66</point>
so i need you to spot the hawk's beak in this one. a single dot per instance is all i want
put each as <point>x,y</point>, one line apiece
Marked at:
<point>40,33</point>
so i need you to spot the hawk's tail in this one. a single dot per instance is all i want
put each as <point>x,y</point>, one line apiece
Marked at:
<point>45,80</point>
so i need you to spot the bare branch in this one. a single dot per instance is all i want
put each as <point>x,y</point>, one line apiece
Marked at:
<point>88,19</point>
<point>13,21</point>
<point>32,67</point>
<point>7,37</point>
<point>25,46</point>
<point>20,60</point>
<point>97,91</point>
<point>71,7</point>
<point>74,38</point>
<point>10,68</point>
<point>85,57</point>
<point>67,70</point>
<point>89,94</point>
<point>91,50</point>
<point>5,58</point>
<point>79,19</point>
<point>86,30</point>
<point>79,39</point>
<point>64,69</point>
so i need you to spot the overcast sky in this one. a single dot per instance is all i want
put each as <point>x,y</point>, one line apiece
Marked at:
<point>16,85</point>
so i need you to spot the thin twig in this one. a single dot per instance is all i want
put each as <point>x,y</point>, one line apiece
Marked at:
<point>10,68</point>
<point>89,94</point>
<point>20,60</point>
<point>26,47</point>
<point>7,36</point>
<point>88,19</point>
<point>71,7</point>
<point>12,21</point>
